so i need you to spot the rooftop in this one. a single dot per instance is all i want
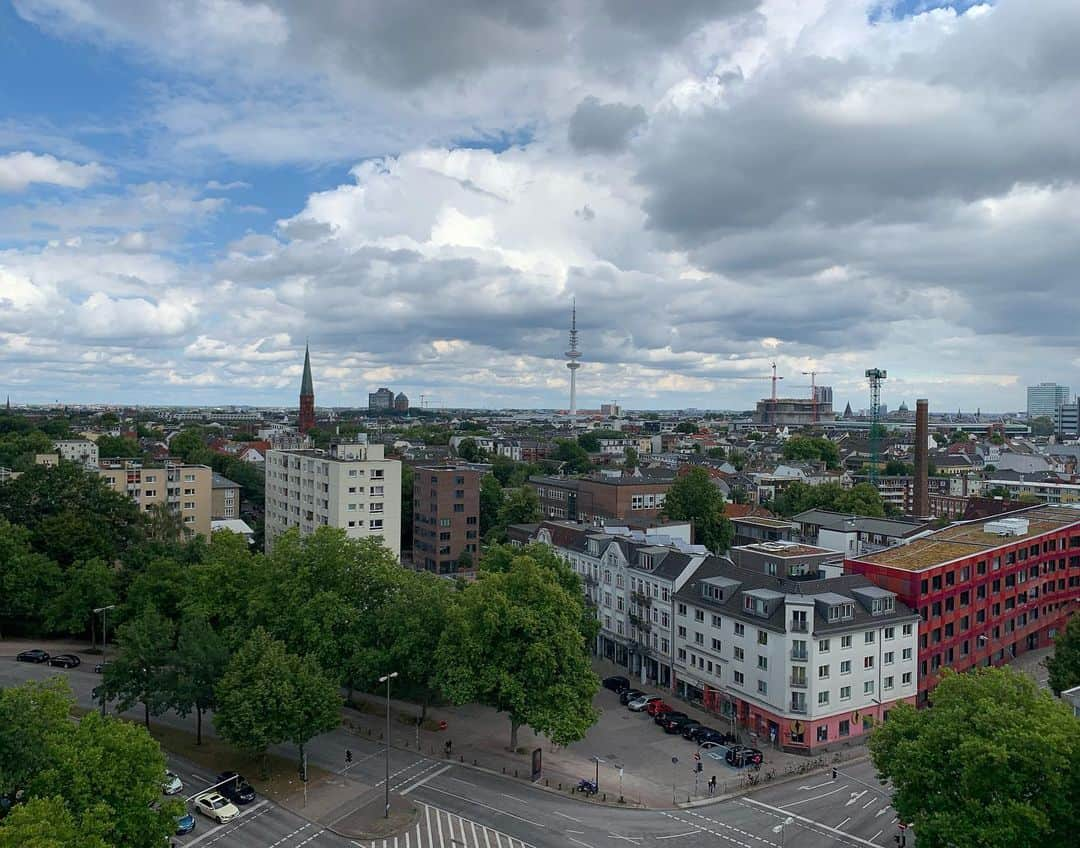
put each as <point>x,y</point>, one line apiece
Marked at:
<point>761,521</point>
<point>783,550</point>
<point>847,523</point>
<point>970,538</point>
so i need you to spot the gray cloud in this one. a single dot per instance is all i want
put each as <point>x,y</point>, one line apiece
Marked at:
<point>597,127</point>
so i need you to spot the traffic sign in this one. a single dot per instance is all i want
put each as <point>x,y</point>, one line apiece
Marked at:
<point>697,757</point>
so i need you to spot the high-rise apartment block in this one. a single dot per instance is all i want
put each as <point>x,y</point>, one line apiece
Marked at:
<point>82,451</point>
<point>381,400</point>
<point>185,490</point>
<point>1044,399</point>
<point>352,486</point>
<point>446,516</point>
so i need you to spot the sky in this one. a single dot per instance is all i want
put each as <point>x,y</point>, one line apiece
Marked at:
<point>190,190</point>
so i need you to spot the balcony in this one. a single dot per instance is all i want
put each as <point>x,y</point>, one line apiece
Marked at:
<point>797,625</point>
<point>798,706</point>
<point>640,623</point>
<point>798,682</point>
<point>641,599</point>
<point>799,654</point>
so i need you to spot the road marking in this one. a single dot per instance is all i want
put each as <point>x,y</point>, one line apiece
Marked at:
<point>438,825</point>
<point>815,786</point>
<point>882,812</point>
<point>869,803</point>
<point>424,780</point>
<point>459,780</point>
<point>677,835</point>
<point>427,815</point>
<point>876,835</point>
<point>635,839</point>
<point>845,821</point>
<point>565,816</point>
<point>855,796</point>
<point>514,798</point>
<point>289,836</point>
<point>579,842</point>
<point>721,835</point>
<point>485,806</point>
<point>838,833</point>
<point>814,797</point>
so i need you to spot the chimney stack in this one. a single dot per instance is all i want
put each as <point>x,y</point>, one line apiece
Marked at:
<point>922,481</point>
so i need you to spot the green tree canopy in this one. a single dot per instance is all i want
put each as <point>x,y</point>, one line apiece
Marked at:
<point>994,762</point>
<point>574,457</point>
<point>519,506</point>
<point>469,451</point>
<point>513,642</point>
<point>491,501</point>
<point>716,453</point>
<point>693,497</point>
<point>110,447</point>
<point>862,499</point>
<point>1064,664</point>
<point>200,660</point>
<point>31,716</point>
<point>86,586</point>
<point>630,458</point>
<point>189,444</point>
<point>28,581</point>
<point>268,696</point>
<point>813,448</point>
<point>48,823</point>
<point>142,669</point>
<point>687,427</point>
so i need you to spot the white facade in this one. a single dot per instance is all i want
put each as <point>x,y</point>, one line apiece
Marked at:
<point>82,451</point>
<point>351,486</point>
<point>1044,399</point>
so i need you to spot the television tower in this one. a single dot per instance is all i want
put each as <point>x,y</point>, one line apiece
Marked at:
<point>573,354</point>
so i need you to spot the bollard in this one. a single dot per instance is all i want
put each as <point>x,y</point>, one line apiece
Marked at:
<point>461,758</point>
<point>474,762</point>
<point>515,772</point>
<point>622,800</point>
<point>504,769</point>
<point>546,782</point>
<point>604,799</point>
<point>560,787</point>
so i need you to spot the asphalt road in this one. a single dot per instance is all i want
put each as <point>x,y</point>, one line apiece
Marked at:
<point>465,808</point>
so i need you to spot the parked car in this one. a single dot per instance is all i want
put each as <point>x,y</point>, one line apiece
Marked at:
<point>706,735</point>
<point>657,707</point>
<point>65,660</point>
<point>688,729</point>
<point>215,806</point>
<point>617,683</point>
<point>34,655</point>
<point>185,824</point>
<point>237,790</point>
<point>628,695</point>
<point>663,717</point>
<point>172,784</point>
<point>640,704</point>
<point>100,667</point>
<point>742,755</point>
<point>675,725</point>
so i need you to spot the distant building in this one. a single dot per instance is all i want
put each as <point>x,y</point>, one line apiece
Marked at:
<point>82,451</point>
<point>854,534</point>
<point>1044,399</point>
<point>225,498</point>
<point>401,402</point>
<point>792,412</point>
<point>351,486</point>
<point>751,529</point>
<point>185,490</point>
<point>381,400</point>
<point>611,410</point>
<point>592,499</point>
<point>306,420</point>
<point>1067,419</point>
<point>823,395</point>
<point>446,516</point>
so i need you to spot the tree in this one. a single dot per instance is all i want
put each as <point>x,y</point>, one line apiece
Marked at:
<point>48,823</point>
<point>589,442</point>
<point>161,585</point>
<point>630,458</point>
<point>188,443</point>
<point>141,670</point>
<point>491,501</point>
<point>862,499</point>
<point>503,469</point>
<point>513,642</point>
<point>716,453</point>
<point>268,696</point>
<point>898,468</point>
<point>812,448</point>
<point>1064,664</point>
<point>469,451</point>
<point>110,447</point>
<point>687,427</point>
<point>199,662</point>
<point>407,478</point>
<point>574,457</point>
<point>28,581</point>
<point>693,497</point>
<point>520,506</point>
<point>31,715</point>
<point>85,587</point>
<point>993,762</point>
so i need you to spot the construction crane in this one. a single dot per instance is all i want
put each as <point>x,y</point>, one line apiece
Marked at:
<point>771,417</point>
<point>876,376</point>
<point>813,391</point>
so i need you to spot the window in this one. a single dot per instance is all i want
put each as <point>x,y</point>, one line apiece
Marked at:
<point>888,657</point>
<point>699,638</point>
<point>763,663</point>
<point>823,646</point>
<point>375,524</point>
<point>351,507</point>
<point>189,504</point>
<point>845,642</point>
<point>740,629</point>
<point>868,637</point>
<point>845,727</point>
<point>739,678</point>
<point>823,698</point>
<point>682,609</point>
<point>738,654</point>
<point>699,615</point>
<point>716,645</point>
<point>762,637</point>
<point>763,687</point>
<point>189,478</point>
<point>459,507</point>
<point>906,654</point>
<point>887,683</point>
<point>905,678</point>
<point>907,630</point>
<point>868,687</point>
<point>823,672</point>
<point>682,654</point>
<point>845,693</point>
<point>890,632</point>
<point>868,662</point>
<point>845,667</point>
<point>682,632</point>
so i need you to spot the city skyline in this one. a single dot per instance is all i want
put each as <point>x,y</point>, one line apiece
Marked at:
<point>187,194</point>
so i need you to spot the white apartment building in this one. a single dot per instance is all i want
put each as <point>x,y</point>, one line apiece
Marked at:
<point>82,451</point>
<point>629,578</point>
<point>802,663</point>
<point>351,486</point>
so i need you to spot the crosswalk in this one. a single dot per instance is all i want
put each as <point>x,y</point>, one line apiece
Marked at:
<point>439,828</point>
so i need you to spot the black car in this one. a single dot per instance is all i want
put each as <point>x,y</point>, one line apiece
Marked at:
<point>628,695</point>
<point>675,725</point>
<point>687,729</point>
<point>237,789</point>
<point>617,684</point>
<point>741,755</point>
<point>702,735</point>
<point>65,660</point>
<point>34,655</point>
<point>662,718</point>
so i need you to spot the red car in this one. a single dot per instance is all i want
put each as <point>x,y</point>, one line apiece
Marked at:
<point>658,708</point>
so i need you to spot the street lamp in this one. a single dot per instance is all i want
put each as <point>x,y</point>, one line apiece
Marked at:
<point>596,782</point>
<point>780,829</point>
<point>386,679</point>
<point>104,647</point>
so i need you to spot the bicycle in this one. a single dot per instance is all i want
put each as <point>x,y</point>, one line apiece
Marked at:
<point>770,774</point>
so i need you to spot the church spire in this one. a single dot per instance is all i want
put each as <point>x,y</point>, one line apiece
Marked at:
<point>306,421</point>
<point>306,385</point>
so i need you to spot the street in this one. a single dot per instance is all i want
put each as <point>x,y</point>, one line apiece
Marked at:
<point>461,806</point>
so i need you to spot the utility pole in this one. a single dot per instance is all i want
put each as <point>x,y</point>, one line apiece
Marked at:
<point>104,647</point>
<point>386,679</point>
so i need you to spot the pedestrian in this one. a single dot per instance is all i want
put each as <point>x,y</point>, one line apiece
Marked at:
<point>449,747</point>
<point>712,784</point>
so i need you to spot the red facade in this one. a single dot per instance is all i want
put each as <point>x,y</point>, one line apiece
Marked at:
<point>987,607</point>
<point>307,413</point>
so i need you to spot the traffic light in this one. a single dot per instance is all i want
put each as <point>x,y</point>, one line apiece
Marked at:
<point>834,774</point>
<point>348,756</point>
<point>699,768</point>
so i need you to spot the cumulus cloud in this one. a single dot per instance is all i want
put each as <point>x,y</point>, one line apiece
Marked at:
<point>19,170</point>
<point>603,127</point>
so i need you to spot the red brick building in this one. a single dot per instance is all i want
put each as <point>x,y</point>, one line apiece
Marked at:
<point>446,516</point>
<point>985,590</point>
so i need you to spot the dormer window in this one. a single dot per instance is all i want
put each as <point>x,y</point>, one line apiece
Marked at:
<point>841,612</point>
<point>645,561</point>
<point>880,606</point>
<point>757,606</point>
<point>714,593</point>
<point>594,547</point>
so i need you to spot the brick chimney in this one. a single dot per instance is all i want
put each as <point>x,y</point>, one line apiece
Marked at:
<point>921,500</point>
